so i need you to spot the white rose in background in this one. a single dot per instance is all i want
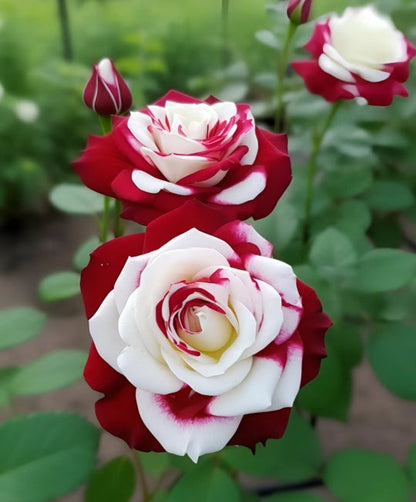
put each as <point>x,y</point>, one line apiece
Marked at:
<point>360,55</point>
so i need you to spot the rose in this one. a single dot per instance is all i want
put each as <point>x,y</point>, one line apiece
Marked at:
<point>358,55</point>
<point>200,337</point>
<point>298,11</point>
<point>106,92</point>
<point>182,148</point>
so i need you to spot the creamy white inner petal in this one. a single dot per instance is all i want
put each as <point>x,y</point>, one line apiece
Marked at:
<point>207,330</point>
<point>181,139</point>
<point>362,42</point>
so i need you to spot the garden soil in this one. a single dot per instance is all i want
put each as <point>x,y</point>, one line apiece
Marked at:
<point>43,245</point>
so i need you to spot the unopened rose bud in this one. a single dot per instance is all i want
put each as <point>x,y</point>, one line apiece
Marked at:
<point>106,92</point>
<point>298,11</point>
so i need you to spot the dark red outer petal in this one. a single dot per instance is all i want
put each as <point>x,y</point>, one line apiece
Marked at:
<point>105,265</point>
<point>259,427</point>
<point>117,410</point>
<point>192,214</point>
<point>312,328</point>
<point>100,163</point>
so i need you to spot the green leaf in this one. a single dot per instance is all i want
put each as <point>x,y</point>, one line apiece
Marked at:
<point>59,286</point>
<point>386,232</point>
<point>6,377</point>
<point>211,485</point>
<point>346,340</point>
<point>332,253</point>
<point>358,475</point>
<point>391,351</point>
<point>19,324</point>
<point>53,371</point>
<point>295,457</point>
<point>82,254</point>
<point>412,463</point>
<point>293,497</point>
<point>114,481</point>
<point>381,270</point>
<point>329,394</point>
<point>349,140</point>
<point>389,196</point>
<point>154,463</point>
<point>268,38</point>
<point>45,455</point>
<point>348,181</point>
<point>76,199</point>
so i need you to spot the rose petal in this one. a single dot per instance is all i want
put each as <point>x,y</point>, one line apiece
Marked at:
<point>150,184</point>
<point>192,437</point>
<point>255,392</point>
<point>104,331</point>
<point>247,189</point>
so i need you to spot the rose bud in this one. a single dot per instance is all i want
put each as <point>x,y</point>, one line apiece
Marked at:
<point>106,92</point>
<point>182,148</point>
<point>298,11</point>
<point>200,337</point>
<point>357,55</point>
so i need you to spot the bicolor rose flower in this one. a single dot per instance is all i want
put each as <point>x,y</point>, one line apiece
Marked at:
<point>106,92</point>
<point>358,55</point>
<point>182,148</point>
<point>200,338</point>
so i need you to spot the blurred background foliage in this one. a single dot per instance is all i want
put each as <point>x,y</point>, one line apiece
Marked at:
<point>157,46</point>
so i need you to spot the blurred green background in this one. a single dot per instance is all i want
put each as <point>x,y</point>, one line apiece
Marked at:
<point>157,45</point>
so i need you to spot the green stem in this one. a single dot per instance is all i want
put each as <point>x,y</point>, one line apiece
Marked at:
<point>142,476</point>
<point>224,25</point>
<point>118,225</point>
<point>282,62</point>
<point>316,146</point>
<point>105,219</point>
<point>65,32</point>
<point>106,126</point>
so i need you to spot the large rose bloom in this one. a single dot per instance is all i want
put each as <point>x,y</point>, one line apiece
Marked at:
<point>200,338</point>
<point>358,55</point>
<point>182,148</point>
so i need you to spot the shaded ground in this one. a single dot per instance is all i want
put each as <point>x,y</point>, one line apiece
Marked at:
<point>378,420</point>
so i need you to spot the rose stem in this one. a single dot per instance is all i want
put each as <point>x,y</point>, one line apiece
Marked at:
<point>317,138</point>
<point>282,62</point>
<point>106,125</point>
<point>141,475</point>
<point>118,225</point>
<point>224,36</point>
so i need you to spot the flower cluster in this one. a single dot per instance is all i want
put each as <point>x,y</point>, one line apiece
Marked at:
<point>200,337</point>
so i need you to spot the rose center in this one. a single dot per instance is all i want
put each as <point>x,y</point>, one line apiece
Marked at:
<point>205,329</point>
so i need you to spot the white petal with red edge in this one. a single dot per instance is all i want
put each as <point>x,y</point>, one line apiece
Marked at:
<point>272,319</point>
<point>278,274</point>
<point>184,437</point>
<point>104,331</point>
<point>148,183</point>
<point>255,392</point>
<point>138,124</point>
<point>244,191</point>
<point>146,373</point>
<point>174,167</point>
<point>129,278</point>
<point>289,383</point>
<point>208,386</point>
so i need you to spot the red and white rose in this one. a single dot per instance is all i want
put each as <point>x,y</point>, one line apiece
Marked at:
<point>182,148</point>
<point>357,55</point>
<point>200,338</point>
